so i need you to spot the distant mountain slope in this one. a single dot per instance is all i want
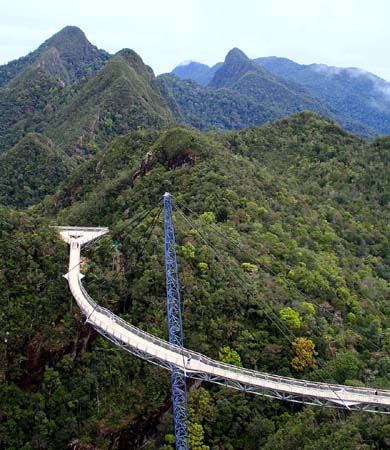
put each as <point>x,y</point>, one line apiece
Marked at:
<point>206,108</point>
<point>77,56</point>
<point>122,96</point>
<point>361,95</point>
<point>201,73</point>
<point>358,100</point>
<point>239,94</point>
<point>242,75</point>
<point>27,101</point>
<point>31,170</point>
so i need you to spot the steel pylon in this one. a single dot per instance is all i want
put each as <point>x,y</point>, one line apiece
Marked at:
<point>175,328</point>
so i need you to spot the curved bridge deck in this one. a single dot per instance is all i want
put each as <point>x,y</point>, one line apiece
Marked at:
<point>196,365</point>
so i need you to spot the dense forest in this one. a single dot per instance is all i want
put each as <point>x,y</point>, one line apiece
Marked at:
<point>282,241</point>
<point>297,212</point>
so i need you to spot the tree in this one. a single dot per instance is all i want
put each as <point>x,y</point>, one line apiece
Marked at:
<point>196,437</point>
<point>229,356</point>
<point>304,354</point>
<point>291,317</point>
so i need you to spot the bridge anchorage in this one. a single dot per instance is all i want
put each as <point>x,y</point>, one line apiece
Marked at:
<point>174,357</point>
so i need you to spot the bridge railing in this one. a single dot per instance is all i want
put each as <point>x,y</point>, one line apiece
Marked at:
<point>192,355</point>
<point>70,228</point>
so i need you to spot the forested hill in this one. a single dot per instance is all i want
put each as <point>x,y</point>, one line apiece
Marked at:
<point>31,170</point>
<point>240,93</point>
<point>78,96</point>
<point>122,96</point>
<point>298,213</point>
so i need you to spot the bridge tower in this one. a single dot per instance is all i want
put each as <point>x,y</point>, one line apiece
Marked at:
<point>175,328</point>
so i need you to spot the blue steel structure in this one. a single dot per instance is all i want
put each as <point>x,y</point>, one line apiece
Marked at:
<point>175,328</point>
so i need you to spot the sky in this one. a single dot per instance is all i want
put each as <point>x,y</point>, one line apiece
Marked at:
<point>343,33</point>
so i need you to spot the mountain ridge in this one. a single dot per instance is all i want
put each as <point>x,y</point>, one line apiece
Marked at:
<point>78,96</point>
<point>360,94</point>
<point>51,91</point>
<point>122,96</point>
<point>240,93</point>
<point>358,99</point>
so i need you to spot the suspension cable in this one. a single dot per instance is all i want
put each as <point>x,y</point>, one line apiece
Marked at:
<point>137,220</point>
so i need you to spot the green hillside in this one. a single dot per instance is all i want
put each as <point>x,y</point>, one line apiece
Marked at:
<point>81,98</point>
<point>298,212</point>
<point>31,170</point>
<point>240,93</point>
<point>356,99</point>
<point>122,96</point>
<point>33,88</point>
<point>67,91</point>
<point>207,109</point>
<point>241,74</point>
<point>26,104</point>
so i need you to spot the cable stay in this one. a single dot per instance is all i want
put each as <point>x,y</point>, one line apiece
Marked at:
<point>182,362</point>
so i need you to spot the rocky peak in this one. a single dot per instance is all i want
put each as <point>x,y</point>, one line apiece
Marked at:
<point>236,64</point>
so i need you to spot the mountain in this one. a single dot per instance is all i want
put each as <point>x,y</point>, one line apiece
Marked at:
<point>355,93</point>
<point>358,100</point>
<point>122,96</point>
<point>297,213</point>
<point>68,54</point>
<point>242,75</point>
<point>81,98</point>
<point>31,170</point>
<point>27,103</point>
<point>282,238</point>
<point>201,73</point>
<point>77,95</point>
<point>239,94</point>
<point>34,87</point>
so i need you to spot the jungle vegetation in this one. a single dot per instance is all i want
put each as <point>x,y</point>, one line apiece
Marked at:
<point>297,211</point>
<point>297,215</point>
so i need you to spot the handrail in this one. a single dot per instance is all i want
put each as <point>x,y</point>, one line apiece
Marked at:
<point>182,351</point>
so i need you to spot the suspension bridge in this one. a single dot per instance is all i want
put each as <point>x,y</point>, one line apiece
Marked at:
<point>184,363</point>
